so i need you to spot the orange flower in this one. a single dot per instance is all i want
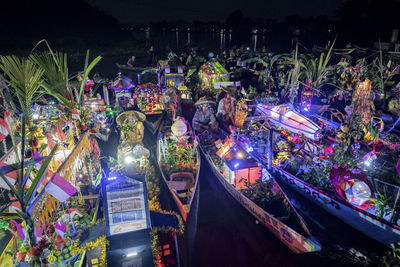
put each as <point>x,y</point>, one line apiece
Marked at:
<point>34,251</point>
<point>21,256</point>
<point>59,242</point>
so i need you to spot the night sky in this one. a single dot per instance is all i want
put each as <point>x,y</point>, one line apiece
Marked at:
<point>145,11</point>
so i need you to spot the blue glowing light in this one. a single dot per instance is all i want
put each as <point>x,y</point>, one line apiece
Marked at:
<point>236,165</point>
<point>112,178</point>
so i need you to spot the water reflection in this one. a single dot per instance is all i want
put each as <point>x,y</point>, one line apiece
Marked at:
<point>222,40</point>
<point>254,39</point>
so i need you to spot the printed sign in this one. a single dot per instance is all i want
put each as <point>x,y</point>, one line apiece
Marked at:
<point>219,85</point>
<point>126,206</point>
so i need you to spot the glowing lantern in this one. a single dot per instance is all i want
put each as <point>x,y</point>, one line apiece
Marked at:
<point>185,94</point>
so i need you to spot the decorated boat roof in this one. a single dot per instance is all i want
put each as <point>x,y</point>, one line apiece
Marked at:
<point>121,83</point>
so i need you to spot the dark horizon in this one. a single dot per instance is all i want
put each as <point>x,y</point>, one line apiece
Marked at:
<point>144,11</point>
<point>99,22</point>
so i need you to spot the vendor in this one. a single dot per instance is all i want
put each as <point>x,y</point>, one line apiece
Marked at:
<point>172,100</point>
<point>226,108</point>
<point>204,118</point>
<point>131,61</point>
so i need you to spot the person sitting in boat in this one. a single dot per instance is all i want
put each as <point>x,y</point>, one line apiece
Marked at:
<point>226,108</point>
<point>204,118</point>
<point>171,100</point>
<point>131,61</point>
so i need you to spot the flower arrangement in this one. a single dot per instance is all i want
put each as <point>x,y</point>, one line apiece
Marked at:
<point>180,156</point>
<point>240,113</point>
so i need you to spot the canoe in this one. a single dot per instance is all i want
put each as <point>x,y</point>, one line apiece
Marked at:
<point>182,184</point>
<point>140,69</point>
<point>299,240</point>
<point>371,225</point>
<point>366,222</point>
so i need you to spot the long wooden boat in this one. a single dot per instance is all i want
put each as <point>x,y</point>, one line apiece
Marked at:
<point>288,226</point>
<point>127,67</point>
<point>364,221</point>
<point>183,184</point>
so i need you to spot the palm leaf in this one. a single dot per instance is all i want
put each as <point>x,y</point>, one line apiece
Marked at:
<point>87,70</point>
<point>24,78</point>
<point>39,176</point>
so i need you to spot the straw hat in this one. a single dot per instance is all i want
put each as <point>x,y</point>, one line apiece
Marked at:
<point>231,90</point>
<point>205,100</point>
<point>126,116</point>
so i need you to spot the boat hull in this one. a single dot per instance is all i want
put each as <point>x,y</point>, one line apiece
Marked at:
<point>369,224</point>
<point>296,242</point>
<point>127,67</point>
<point>194,197</point>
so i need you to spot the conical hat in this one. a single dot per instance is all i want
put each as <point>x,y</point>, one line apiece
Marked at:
<point>204,100</point>
<point>231,90</point>
<point>124,117</point>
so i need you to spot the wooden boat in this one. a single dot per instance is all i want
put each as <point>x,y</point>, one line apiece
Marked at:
<point>287,225</point>
<point>139,69</point>
<point>181,180</point>
<point>149,101</point>
<point>362,220</point>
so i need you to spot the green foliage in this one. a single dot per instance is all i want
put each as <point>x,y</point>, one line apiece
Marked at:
<point>127,127</point>
<point>377,73</point>
<point>55,75</point>
<point>87,69</point>
<point>24,78</point>
<point>317,70</point>
<point>259,192</point>
<point>180,156</point>
<point>293,78</point>
<point>317,172</point>
<point>383,205</point>
<point>392,257</point>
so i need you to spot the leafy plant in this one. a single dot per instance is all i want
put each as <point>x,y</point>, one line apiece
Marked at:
<point>56,81</point>
<point>293,79</point>
<point>24,78</point>
<point>317,70</point>
<point>88,67</point>
<point>383,205</point>
<point>259,192</point>
<point>392,257</point>
<point>180,156</point>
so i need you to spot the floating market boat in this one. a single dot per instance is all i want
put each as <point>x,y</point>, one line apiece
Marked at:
<point>100,119</point>
<point>131,68</point>
<point>122,87</point>
<point>148,98</point>
<point>178,158</point>
<point>347,194</point>
<point>241,176</point>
